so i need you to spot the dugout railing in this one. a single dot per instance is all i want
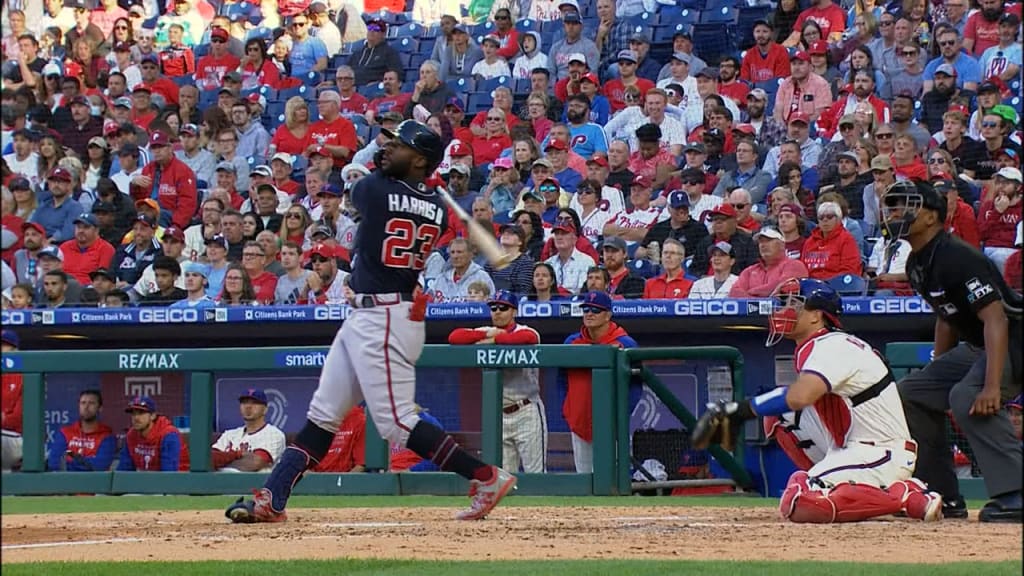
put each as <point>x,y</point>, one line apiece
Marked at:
<point>611,374</point>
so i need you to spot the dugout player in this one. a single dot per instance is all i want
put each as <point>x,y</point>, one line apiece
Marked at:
<point>87,445</point>
<point>977,355</point>
<point>254,446</point>
<point>524,427</point>
<point>869,456</point>
<point>11,396</point>
<point>374,354</point>
<point>152,444</point>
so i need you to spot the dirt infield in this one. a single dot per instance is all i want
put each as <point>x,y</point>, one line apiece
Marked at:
<point>511,533</point>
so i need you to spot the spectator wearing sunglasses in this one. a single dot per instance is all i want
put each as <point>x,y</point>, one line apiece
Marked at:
<point>211,69</point>
<point>598,329</point>
<point>966,69</point>
<point>308,54</point>
<point>376,57</point>
<point>524,425</point>
<point>996,125</point>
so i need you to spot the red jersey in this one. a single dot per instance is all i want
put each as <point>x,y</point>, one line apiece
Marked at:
<point>960,222</point>
<point>340,132</point>
<point>354,104</point>
<point>167,88</point>
<point>664,287</point>
<point>835,255</point>
<point>79,262</point>
<point>160,450</point>
<point>143,119</point>
<point>10,400</point>
<point>487,150</point>
<point>348,449</point>
<point>615,91</point>
<point>284,141</point>
<point>387,103</point>
<point>508,43</point>
<point>830,19</point>
<point>176,190</point>
<point>267,75</point>
<point>577,408</point>
<point>480,120</point>
<point>1012,271</point>
<point>210,70</point>
<point>562,91</point>
<point>177,61</point>
<point>998,229</point>
<point>736,90</point>
<point>264,286</point>
<point>984,33</point>
<point>757,67</point>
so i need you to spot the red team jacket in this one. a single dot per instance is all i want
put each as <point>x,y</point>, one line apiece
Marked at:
<point>177,192</point>
<point>10,398</point>
<point>577,408</point>
<point>835,255</point>
<point>96,449</point>
<point>348,449</point>
<point>998,230</point>
<point>960,222</point>
<point>514,335</point>
<point>159,451</point>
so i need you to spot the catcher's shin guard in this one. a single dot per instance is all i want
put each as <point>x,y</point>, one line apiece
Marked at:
<point>916,500</point>
<point>847,502</point>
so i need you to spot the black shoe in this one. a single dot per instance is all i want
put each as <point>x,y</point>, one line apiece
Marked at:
<point>954,509</point>
<point>995,511</point>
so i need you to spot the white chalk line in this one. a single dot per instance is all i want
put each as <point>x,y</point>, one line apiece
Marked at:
<point>372,525</point>
<point>70,543</point>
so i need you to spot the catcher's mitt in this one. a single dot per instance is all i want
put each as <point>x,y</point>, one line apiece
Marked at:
<point>720,425</point>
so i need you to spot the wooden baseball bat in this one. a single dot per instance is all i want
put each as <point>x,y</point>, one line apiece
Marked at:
<point>480,237</point>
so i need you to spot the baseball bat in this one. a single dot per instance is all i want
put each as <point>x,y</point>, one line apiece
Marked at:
<point>482,238</point>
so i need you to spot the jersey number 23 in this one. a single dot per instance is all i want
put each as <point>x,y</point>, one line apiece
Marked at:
<point>407,244</point>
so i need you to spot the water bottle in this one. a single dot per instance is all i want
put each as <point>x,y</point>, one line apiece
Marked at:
<point>719,383</point>
<point>923,36</point>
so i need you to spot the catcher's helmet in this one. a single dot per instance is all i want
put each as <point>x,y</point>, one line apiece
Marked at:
<point>421,139</point>
<point>795,295</point>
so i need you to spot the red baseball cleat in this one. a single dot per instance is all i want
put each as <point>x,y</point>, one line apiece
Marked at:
<point>256,510</point>
<point>487,495</point>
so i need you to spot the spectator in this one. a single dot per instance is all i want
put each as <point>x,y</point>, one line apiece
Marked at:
<point>84,128</point>
<point>492,65</point>
<point>495,139</point>
<point>458,58</point>
<point>133,258</point>
<point>238,289</point>
<point>982,29</point>
<point>217,258</point>
<point>392,99</point>
<point>760,279</point>
<point>26,259</point>
<point>196,286</point>
<point>523,415</point>
<point>746,175</point>
<point>672,283</point>
<point>458,273</point>
<point>1012,272</point>
<point>152,444</point>
<point>57,213</point>
<point>803,91</point>
<point>587,137</point>
<point>254,446</point>
<point>375,58</point>
<point>323,28</point>
<point>615,89</point>
<point>295,285</point>
<point>960,218</point>
<point>518,275</point>
<point>556,160</point>
<point>128,157</point>
<point>719,283</point>
<point>86,445</point>
<point>256,67</point>
<point>964,151</point>
<point>253,138</point>
<point>770,131</point>
<point>693,181</point>
<point>332,133</point>
<point>569,264</point>
<point>622,282</point>
<point>169,181</point>
<point>849,134</point>
<point>173,244</point>
<point>86,252</point>
<point>850,184</point>
<point>11,446</point>
<point>886,268</point>
<point>963,68</point>
<point>598,329</point>
<point>790,221</point>
<point>995,132</point>
<point>831,251</point>
<point>544,288</point>
<point>573,43</point>
<point>102,282</point>
<point>740,199</point>
<point>999,216</point>
<point>309,53</point>
<point>232,169</point>
<point>798,148</point>
<point>909,79</point>
<point>166,272</point>
<point>679,225</point>
<point>51,259</point>
<point>723,228</point>
<point>633,224</point>
<point>332,280</point>
<point>23,160</point>
<point>116,299</point>
<point>55,288</point>
<point>1003,60</point>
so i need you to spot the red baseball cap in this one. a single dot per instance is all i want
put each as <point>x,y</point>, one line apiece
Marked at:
<point>159,138</point>
<point>142,87</point>
<point>219,33</point>
<point>564,225</point>
<point>800,55</point>
<point>724,210</point>
<point>599,160</point>
<point>556,144</point>
<point>61,174</point>
<point>642,181</point>
<point>35,226</point>
<point>175,233</point>
<point>460,149</point>
<point>746,129</point>
<point>799,116</point>
<point>818,47</point>
<point>591,77</point>
<point>323,250</point>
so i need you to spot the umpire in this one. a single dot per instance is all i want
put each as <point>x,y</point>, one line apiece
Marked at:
<point>977,357</point>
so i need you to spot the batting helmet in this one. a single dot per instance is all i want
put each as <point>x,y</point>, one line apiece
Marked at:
<point>795,295</point>
<point>421,139</point>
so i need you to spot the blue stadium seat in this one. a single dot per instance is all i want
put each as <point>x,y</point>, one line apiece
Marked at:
<point>371,91</point>
<point>645,19</point>
<point>201,50</point>
<point>312,79</point>
<point>183,80</point>
<point>849,285</point>
<point>492,83</point>
<point>481,29</point>
<point>712,41</point>
<point>284,95</point>
<point>262,32</point>
<point>522,86</point>
<point>685,16</point>
<point>427,46</point>
<point>405,58</point>
<point>409,85</point>
<point>406,45</point>
<point>432,31</point>
<point>528,25</point>
<point>269,93</point>
<point>719,14</point>
<point>350,48</point>
<point>709,4</point>
<point>478,102</point>
<point>691,4</point>
<point>415,61</point>
<point>462,85</point>
<point>771,87</point>
<point>207,98</point>
<point>374,132</point>
<point>392,18</point>
<point>407,30</point>
<point>337,61</point>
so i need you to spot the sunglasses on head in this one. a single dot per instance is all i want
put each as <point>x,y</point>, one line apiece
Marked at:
<point>592,309</point>
<point>500,307</point>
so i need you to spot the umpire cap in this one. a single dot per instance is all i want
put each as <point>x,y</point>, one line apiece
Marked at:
<point>421,139</point>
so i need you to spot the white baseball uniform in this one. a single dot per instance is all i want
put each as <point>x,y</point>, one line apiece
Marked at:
<point>268,439</point>
<point>635,218</point>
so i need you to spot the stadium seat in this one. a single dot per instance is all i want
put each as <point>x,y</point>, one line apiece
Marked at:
<point>645,19</point>
<point>406,45</point>
<point>745,23</point>
<point>462,85</point>
<point>490,84</point>
<point>478,102</point>
<point>284,95</point>
<point>771,88</point>
<point>432,31</point>
<point>709,4</point>
<point>685,16</point>
<point>405,58</point>
<point>201,50</point>
<point>691,4</point>
<point>712,41</point>
<point>427,46</point>
<point>207,98</point>
<point>269,93</point>
<point>481,29</point>
<point>371,91</point>
<point>522,86</point>
<point>183,80</point>
<point>392,18</point>
<point>527,25</point>
<point>409,85</point>
<point>262,32</point>
<point>719,14</point>
<point>407,30</point>
<point>849,285</point>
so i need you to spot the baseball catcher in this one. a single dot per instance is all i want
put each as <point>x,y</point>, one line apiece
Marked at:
<point>847,406</point>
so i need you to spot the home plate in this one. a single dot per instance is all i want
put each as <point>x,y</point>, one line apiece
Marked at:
<point>372,525</point>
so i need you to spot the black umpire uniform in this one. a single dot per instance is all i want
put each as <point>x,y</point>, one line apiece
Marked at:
<point>966,290</point>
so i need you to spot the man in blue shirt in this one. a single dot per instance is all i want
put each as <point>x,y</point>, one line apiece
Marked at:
<point>58,212</point>
<point>195,286</point>
<point>308,54</point>
<point>586,137</point>
<point>966,70</point>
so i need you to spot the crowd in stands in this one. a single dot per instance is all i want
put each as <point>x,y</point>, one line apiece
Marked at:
<point>199,153</point>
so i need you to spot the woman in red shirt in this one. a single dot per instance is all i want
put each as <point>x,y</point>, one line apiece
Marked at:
<point>292,136</point>
<point>90,64</point>
<point>831,250</point>
<point>256,68</point>
<point>488,147</point>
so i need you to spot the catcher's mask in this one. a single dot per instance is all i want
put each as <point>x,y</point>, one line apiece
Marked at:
<point>902,203</point>
<point>794,296</point>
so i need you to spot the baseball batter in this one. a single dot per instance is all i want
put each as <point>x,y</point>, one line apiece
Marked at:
<point>524,426</point>
<point>374,354</point>
<point>868,455</point>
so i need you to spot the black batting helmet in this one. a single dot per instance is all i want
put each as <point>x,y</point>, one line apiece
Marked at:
<point>420,138</point>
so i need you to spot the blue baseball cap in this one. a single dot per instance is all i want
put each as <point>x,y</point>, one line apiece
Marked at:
<point>87,219</point>
<point>504,297</point>
<point>331,190</point>
<point>196,268</point>
<point>144,403</point>
<point>254,394</point>
<point>10,337</point>
<point>51,252</point>
<point>598,300</point>
<point>678,199</point>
